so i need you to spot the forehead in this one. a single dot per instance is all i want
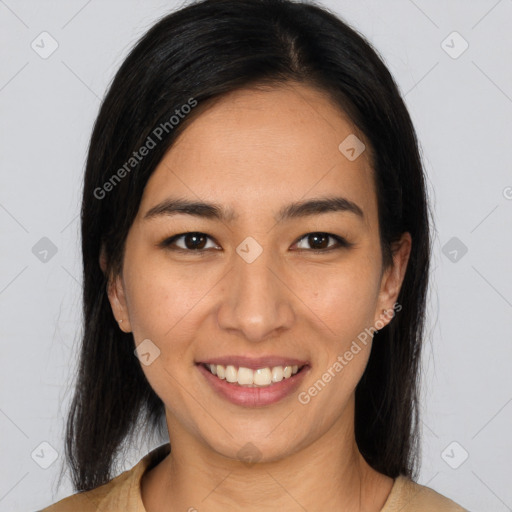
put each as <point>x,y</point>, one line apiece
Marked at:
<point>254,150</point>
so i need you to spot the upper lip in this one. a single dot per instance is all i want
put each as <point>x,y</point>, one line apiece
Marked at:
<point>254,362</point>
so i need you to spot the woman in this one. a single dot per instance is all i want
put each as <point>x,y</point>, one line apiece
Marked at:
<point>255,231</point>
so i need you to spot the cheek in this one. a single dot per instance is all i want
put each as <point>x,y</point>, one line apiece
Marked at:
<point>344,301</point>
<point>161,304</point>
<point>344,297</point>
<point>160,297</point>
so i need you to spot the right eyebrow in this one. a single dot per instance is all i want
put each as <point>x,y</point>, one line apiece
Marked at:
<point>176,206</point>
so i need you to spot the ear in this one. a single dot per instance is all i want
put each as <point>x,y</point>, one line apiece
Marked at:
<point>116,295</point>
<point>392,279</point>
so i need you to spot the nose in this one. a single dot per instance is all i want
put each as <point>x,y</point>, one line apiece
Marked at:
<point>256,301</point>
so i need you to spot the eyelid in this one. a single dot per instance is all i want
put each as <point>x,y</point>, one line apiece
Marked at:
<point>342,243</point>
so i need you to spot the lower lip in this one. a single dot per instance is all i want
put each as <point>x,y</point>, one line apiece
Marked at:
<point>256,396</point>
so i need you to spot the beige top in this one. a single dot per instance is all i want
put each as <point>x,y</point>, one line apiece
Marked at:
<point>123,493</point>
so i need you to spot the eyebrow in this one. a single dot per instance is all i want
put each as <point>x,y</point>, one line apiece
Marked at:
<point>174,206</point>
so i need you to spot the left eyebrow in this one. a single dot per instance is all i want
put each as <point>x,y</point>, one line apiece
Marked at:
<point>318,206</point>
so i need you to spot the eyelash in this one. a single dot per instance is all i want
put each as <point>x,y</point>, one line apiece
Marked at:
<point>342,242</point>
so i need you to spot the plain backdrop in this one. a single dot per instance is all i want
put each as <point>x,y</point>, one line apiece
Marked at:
<point>453,63</point>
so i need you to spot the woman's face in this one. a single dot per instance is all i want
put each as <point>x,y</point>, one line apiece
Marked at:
<point>264,283</point>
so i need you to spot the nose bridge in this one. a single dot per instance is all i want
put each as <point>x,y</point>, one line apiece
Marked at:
<point>257,303</point>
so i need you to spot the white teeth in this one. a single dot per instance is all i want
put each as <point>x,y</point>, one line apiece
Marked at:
<point>277,374</point>
<point>262,377</point>
<point>231,373</point>
<point>253,378</point>
<point>245,376</point>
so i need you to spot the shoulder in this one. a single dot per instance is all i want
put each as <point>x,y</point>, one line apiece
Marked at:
<point>121,493</point>
<point>409,496</point>
<point>90,501</point>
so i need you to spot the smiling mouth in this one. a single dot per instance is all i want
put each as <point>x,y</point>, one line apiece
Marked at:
<point>246,377</point>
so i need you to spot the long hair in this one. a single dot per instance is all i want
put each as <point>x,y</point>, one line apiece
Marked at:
<point>193,57</point>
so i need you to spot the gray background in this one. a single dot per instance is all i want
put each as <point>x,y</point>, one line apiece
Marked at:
<point>462,108</point>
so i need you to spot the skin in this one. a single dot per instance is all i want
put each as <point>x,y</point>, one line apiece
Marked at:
<point>291,301</point>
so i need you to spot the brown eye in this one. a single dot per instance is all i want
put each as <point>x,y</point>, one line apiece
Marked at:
<point>188,242</point>
<point>320,242</point>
